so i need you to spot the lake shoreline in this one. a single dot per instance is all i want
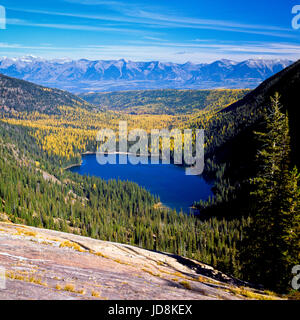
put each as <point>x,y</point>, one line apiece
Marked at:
<point>170,184</point>
<point>106,153</point>
<point>91,153</point>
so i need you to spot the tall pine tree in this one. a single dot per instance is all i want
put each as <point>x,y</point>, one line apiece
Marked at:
<point>271,245</point>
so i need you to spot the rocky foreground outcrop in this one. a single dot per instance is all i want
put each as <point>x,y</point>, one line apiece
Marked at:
<point>44,264</point>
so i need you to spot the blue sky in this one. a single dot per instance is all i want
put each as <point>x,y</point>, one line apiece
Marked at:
<point>165,30</point>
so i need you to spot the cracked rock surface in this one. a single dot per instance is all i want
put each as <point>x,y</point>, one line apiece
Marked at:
<point>44,264</point>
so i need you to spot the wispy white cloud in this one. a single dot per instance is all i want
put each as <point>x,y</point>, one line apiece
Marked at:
<point>193,21</point>
<point>94,2</point>
<point>9,45</point>
<point>150,29</point>
<point>137,11</point>
<point>175,52</point>
<point>220,25</point>
<point>249,47</point>
<point>196,54</point>
<point>79,15</point>
<point>44,46</point>
<point>25,23</point>
<point>135,15</point>
<point>155,39</point>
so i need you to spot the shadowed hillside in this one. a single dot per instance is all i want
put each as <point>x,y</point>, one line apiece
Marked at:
<point>235,146</point>
<point>20,95</point>
<point>287,84</point>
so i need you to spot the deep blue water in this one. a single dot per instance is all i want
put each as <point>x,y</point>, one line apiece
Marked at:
<point>175,189</point>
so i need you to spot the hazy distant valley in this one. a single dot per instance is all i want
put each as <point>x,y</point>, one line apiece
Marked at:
<point>84,75</point>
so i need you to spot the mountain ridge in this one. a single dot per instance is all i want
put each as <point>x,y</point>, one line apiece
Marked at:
<point>286,83</point>
<point>238,146</point>
<point>116,75</point>
<point>21,95</point>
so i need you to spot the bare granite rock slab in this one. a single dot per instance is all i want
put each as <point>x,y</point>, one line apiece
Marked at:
<point>42,264</point>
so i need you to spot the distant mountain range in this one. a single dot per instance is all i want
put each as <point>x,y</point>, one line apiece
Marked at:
<point>115,75</point>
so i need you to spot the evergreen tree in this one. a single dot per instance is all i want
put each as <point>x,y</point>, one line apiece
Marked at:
<point>271,245</point>
<point>290,225</point>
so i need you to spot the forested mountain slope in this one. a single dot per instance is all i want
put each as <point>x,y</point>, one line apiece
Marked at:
<point>35,191</point>
<point>36,142</point>
<point>287,84</point>
<point>19,95</point>
<point>167,101</point>
<point>234,146</point>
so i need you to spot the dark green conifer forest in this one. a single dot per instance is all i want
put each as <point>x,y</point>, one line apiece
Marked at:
<point>250,228</point>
